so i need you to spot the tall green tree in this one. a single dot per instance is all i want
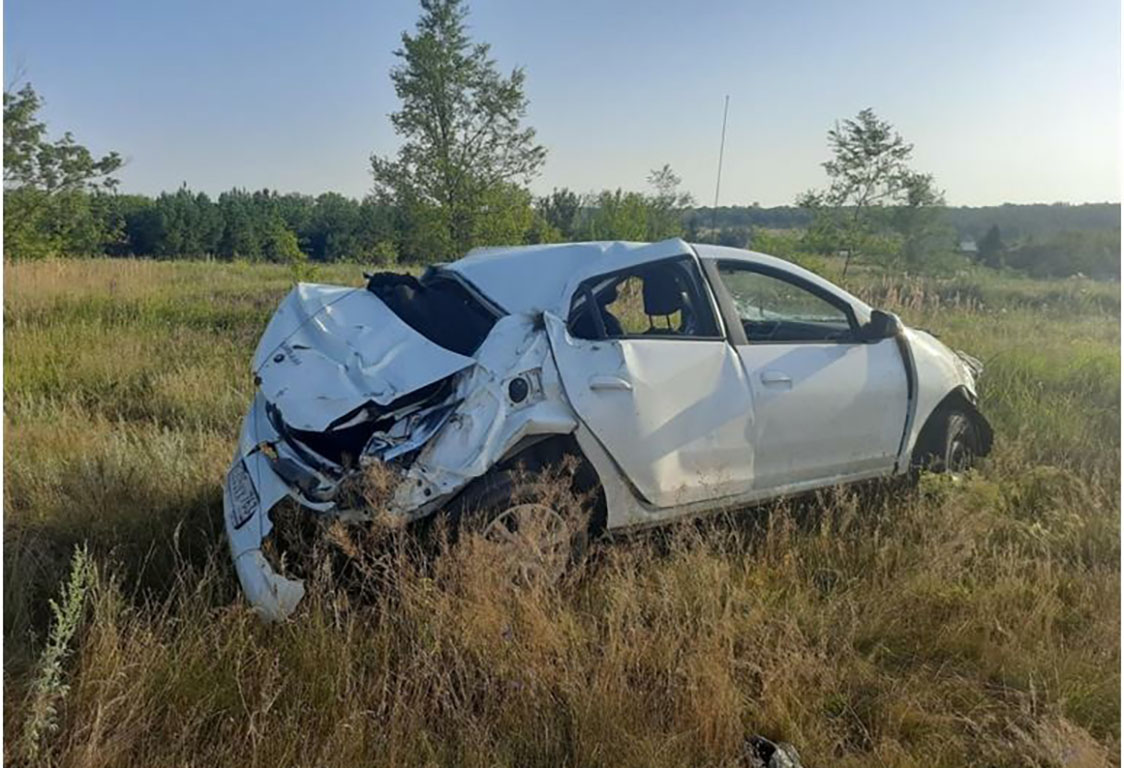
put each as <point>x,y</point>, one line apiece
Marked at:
<point>47,185</point>
<point>666,207</point>
<point>242,231</point>
<point>560,210</point>
<point>617,215</point>
<point>462,130</point>
<point>990,248</point>
<point>869,174</point>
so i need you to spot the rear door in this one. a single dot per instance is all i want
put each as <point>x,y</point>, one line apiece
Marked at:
<point>645,365</point>
<point>828,406</point>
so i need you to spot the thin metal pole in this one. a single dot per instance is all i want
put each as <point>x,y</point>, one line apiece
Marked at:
<point>721,151</point>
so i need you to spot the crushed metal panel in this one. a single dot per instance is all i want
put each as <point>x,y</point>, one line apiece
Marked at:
<point>488,422</point>
<point>304,302</point>
<point>328,354</point>
<point>536,278</point>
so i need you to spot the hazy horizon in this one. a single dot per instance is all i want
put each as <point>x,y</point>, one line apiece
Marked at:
<point>1009,103</point>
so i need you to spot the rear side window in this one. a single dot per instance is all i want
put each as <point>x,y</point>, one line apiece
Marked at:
<point>438,307</point>
<point>662,299</point>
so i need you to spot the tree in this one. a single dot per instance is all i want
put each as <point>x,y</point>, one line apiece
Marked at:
<point>333,228</point>
<point>47,184</point>
<point>990,249</point>
<point>279,243</point>
<point>869,172</point>
<point>665,208</point>
<point>32,161</point>
<point>508,216</point>
<point>242,235</point>
<point>560,210</point>
<point>617,215</point>
<point>461,125</point>
<point>916,220</point>
<point>1093,254</point>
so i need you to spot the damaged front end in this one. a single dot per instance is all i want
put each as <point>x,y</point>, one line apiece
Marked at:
<point>406,377</point>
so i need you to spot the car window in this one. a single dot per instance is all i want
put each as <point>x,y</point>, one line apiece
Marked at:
<point>663,299</point>
<point>437,306</point>
<point>772,309</point>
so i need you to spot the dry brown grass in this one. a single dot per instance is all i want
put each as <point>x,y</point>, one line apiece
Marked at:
<point>971,623</point>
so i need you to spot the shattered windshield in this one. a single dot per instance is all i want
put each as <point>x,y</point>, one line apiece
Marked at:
<point>438,306</point>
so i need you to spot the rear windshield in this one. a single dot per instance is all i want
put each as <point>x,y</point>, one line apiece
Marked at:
<point>437,306</point>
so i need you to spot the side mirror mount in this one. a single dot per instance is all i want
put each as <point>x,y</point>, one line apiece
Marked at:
<point>882,325</point>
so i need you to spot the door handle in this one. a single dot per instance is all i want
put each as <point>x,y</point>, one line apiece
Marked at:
<point>609,382</point>
<point>775,377</point>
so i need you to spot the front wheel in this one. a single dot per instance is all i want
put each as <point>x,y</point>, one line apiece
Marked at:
<point>953,446</point>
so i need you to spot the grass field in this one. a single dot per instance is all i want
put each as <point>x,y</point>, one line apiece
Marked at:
<point>970,623</point>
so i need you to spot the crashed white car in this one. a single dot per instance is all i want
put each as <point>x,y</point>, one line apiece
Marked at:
<point>689,378</point>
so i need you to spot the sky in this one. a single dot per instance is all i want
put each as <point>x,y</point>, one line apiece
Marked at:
<point>1004,101</point>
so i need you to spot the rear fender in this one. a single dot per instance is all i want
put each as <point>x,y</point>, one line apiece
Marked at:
<point>492,418</point>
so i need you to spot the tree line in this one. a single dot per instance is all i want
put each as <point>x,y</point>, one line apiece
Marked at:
<point>1017,221</point>
<point>267,225</point>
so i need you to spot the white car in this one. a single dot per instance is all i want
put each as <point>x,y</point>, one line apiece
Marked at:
<point>689,378</point>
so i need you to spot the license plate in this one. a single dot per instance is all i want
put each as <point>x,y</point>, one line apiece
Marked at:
<point>243,495</point>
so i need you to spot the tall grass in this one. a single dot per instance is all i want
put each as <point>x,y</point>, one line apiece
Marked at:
<point>969,623</point>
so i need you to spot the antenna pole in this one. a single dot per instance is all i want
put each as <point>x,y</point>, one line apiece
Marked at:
<point>721,151</point>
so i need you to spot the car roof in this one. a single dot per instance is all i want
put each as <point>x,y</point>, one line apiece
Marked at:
<point>532,278</point>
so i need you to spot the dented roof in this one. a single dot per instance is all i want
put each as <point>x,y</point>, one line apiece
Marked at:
<point>533,278</point>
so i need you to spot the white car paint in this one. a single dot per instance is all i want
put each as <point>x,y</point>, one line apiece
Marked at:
<point>675,413</point>
<point>671,426</point>
<point>825,410</point>
<point>542,278</point>
<point>330,350</point>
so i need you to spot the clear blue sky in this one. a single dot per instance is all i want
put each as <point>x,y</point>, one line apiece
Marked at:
<point>1005,101</point>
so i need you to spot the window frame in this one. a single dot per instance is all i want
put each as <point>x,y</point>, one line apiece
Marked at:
<point>702,295</point>
<point>733,320</point>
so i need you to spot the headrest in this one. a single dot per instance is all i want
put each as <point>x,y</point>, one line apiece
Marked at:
<point>662,295</point>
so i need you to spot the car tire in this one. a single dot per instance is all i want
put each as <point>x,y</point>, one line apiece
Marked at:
<point>532,539</point>
<point>954,444</point>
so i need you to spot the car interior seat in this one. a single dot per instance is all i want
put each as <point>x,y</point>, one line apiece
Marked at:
<point>663,297</point>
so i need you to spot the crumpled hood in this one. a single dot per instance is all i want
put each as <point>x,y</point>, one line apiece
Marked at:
<point>329,350</point>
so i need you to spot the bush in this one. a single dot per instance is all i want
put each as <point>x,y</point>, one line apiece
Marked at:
<point>1093,254</point>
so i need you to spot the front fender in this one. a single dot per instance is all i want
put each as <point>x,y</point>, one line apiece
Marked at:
<point>942,377</point>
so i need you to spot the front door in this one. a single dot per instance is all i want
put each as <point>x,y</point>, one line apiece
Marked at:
<point>644,364</point>
<point>828,406</point>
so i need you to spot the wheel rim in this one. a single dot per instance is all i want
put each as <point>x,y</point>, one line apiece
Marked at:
<point>960,454</point>
<point>531,543</point>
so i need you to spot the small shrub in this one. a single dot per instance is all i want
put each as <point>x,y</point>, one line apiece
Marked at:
<point>49,687</point>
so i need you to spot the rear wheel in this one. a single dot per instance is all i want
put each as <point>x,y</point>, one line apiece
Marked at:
<point>531,543</point>
<point>533,525</point>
